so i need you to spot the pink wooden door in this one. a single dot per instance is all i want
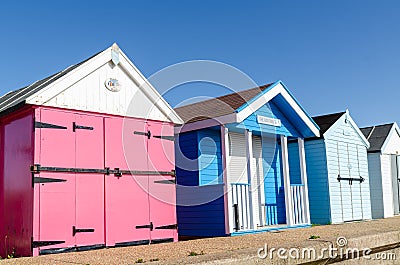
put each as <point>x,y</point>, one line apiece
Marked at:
<point>15,186</point>
<point>56,203</point>
<point>126,197</point>
<point>89,142</point>
<point>162,193</point>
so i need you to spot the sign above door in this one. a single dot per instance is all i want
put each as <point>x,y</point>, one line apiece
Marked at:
<point>269,121</point>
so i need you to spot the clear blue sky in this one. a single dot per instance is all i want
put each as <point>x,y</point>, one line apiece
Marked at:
<point>332,55</point>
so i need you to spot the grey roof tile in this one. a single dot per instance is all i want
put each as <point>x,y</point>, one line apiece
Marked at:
<point>219,106</point>
<point>326,121</point>
<point>16,97</point>
<point>376,135</point>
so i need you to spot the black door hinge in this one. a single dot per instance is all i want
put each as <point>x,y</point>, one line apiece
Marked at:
<point>150,226</point>
<point>80,127</point>
<point>132,243</point>
<point>166,181</point>
<point>148,133</point>
<point>81,230</point>
<point>37,168</point>
<point>37,244</point>
<point>161,240</point>
<point>174,226</point>
<point>47,180</point>
<point>165,137</point>
<point>117,172</point>
<point>43,125</point>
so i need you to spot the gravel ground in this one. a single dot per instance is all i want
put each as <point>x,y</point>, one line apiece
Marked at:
<point>211,248</point>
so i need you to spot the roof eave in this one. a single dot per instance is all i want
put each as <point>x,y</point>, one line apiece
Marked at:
<point>207,123</point>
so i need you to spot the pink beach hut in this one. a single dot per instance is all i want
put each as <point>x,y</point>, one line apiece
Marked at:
<point>87,160</point>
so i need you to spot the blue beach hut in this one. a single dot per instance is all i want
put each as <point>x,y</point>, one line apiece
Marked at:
<point>234,165</point>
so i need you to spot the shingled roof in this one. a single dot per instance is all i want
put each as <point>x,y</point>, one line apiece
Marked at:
<point>219,106</point>
<point>326,121</point>
<point>17,97</point>
<point>376,135</point>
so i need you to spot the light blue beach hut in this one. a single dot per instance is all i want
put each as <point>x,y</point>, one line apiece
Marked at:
<point>337,170</point>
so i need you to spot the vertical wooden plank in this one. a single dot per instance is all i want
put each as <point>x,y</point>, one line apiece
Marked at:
<point>296,200</point>
<point>396,185</point>
<point>162,197</point>
<point>242,207</point>
<point>301,203</point>
<point>239,205</point>
<point>360,190</point>
<point>129,193</point>
<point>296,204</point>
<point>228,204</point>
<point>286,181</point>
<point>303,173</point>
<point>249,154</point>
<point>257,181</point>
<point>16,191</point>
<point>232,217</point>
<point>57,199</point>
<point>293,194</point>
<point>36,188</point>
<point>340,183</point>
<point>89,188</point>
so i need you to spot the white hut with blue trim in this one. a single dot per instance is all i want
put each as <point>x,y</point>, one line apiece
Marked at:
<point>233,164</point>
<point>383,163</point>
<point>337,170</point>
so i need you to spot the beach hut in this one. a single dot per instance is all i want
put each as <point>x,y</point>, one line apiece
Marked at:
<point>233,163</point>
<point>383,164</point>
<point>337,170</point>
<point>87,160</point>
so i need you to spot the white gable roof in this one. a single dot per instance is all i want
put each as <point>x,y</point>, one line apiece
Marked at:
<point>392,142</point>
<point>82,87</point>
<point>346,118</point>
